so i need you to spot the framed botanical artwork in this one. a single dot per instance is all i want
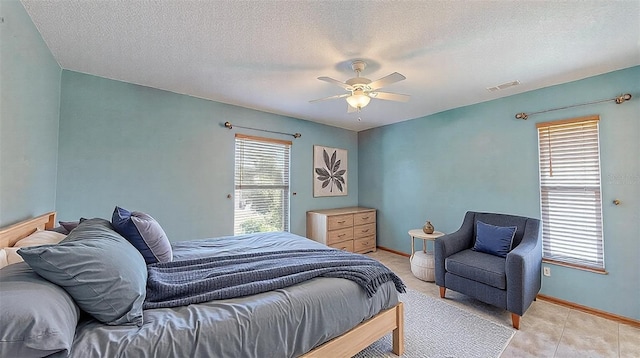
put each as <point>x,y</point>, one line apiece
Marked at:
<point>330,171</point>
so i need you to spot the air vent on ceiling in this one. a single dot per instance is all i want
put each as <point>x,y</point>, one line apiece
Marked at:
<point>503,86</point>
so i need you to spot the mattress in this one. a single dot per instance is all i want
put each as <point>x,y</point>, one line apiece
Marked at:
<point>281,323</point>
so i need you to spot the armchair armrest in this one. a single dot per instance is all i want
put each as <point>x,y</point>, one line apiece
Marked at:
<point>449,244</point>
<point>523,269</point>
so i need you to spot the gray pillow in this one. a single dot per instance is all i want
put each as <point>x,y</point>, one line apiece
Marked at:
<point>69,225</point>
<point>61,229</point>
<point>102,271</point>
<point>38,317</point>
<point>144,233</point>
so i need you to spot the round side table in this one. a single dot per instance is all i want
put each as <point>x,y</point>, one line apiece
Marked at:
<point>422,262</point>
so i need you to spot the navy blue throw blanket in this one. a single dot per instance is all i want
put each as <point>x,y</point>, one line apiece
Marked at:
<point>180,283</point>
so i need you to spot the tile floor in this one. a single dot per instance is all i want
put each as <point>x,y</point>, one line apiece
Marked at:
<point>546,329</point>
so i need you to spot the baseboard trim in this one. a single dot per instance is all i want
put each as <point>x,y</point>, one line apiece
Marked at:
<point>393,251</point>
<point>593,311</point>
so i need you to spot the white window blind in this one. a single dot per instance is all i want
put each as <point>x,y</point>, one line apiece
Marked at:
<point>571,204</point>
<point>261,185</point>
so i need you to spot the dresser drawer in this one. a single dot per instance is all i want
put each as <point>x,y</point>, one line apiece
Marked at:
<point>340,227</point>
<point>364,218</point>
<point>364,230</point>
<point>364,244</point>
<point>345,246</point>
<point>340,235</point>
<point>340,221</point>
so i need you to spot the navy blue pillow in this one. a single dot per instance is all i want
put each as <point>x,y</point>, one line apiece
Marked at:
<point>143,232</point>
<point>494,240</point>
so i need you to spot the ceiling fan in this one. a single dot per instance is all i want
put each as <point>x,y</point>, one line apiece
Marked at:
<point>361,90</point>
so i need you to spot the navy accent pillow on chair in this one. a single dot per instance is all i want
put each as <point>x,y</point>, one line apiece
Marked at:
<point>143,232</point>
<point>494,240</point>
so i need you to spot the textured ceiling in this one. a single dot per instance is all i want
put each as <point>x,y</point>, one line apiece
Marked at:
<point>267,55</point>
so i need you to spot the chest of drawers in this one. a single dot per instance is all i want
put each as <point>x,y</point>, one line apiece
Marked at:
<point>351,229</point>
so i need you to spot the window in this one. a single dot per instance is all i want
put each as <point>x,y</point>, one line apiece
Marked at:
<point>261,185</point>
<point>570,197</point>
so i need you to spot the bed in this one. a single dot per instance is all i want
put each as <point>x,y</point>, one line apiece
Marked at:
<point>321,317</point>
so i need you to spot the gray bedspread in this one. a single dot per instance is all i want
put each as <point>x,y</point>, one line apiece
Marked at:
<point>184,282</point>
<point>284,322</point>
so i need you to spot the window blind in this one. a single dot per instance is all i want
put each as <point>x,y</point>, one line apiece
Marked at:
<point>570,198</point>
<point>261,184</point>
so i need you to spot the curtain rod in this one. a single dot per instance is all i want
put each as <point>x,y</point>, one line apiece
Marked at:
<point>620,99</point>
<point>294,135</point>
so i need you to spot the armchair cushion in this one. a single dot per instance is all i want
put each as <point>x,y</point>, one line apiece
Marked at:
<point>494,240</point>
<point>479,267</point>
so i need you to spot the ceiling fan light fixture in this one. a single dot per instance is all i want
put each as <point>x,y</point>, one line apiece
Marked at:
<point>358,100</point>
<point>360,90</point>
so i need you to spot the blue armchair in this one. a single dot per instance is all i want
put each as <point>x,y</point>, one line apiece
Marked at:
<point>510,282</point>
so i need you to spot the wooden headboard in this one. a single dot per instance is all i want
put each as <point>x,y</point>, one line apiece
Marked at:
<point>9,235</point>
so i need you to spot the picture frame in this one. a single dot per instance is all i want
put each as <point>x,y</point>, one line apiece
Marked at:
<point>330,171</point>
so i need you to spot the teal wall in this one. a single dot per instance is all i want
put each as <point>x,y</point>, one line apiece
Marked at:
<point>29,104</point>
<point>170,156</point>
<point>481,158</point>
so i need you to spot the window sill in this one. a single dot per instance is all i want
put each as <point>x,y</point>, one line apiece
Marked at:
<point>579,267</point>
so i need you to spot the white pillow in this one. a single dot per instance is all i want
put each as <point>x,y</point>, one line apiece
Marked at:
<point>12,255</point>
<point>9,255</point>
<point>40,237</point>
<point>3,258</point>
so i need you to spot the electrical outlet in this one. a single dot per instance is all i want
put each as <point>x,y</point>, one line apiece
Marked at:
<point>546,271</point>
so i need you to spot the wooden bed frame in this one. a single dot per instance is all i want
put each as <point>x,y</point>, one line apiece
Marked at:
<point>367,332</point>
<point>11,234</point>
<point>346,345</point>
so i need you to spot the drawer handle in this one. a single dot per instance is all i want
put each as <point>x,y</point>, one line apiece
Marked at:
<point>344,248</point>
<point>341,222</point>
<point>365,230</point>
<point>341,235</point>
<point>365,218</point>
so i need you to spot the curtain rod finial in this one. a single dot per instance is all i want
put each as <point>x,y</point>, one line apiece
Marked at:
<point>297,135</point>
<point>623,97</point>
<point>522,115</point>
<point>228,125</point>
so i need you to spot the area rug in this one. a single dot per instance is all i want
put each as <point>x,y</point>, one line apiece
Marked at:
<point>434,328</point>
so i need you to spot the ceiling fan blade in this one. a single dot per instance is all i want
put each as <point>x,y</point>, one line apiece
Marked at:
<point>390,96</point>
<point>339,83</point>
<point>387,80</point>
<point>331,97</point>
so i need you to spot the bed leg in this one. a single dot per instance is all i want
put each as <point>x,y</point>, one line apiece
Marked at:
<point>398,333</point>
